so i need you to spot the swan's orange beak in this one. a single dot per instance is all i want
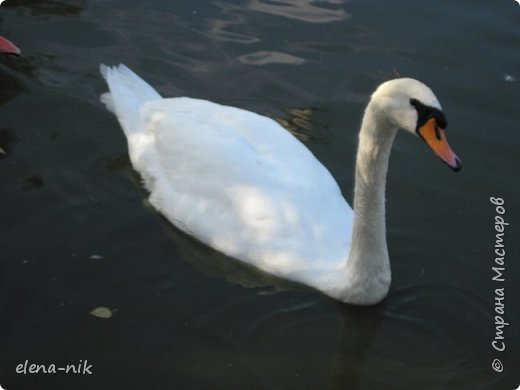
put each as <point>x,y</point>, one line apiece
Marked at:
<point>6,46</point>
<point>434,136</point>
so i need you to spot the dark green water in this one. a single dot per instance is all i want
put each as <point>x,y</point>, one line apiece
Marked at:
<point>76,232</point>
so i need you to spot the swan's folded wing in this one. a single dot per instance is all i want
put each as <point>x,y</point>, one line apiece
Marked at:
<point>240,183</point>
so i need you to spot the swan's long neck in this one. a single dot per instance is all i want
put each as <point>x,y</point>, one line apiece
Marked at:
<point>368,266</point>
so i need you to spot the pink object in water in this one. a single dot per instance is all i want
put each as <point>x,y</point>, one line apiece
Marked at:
<point>9,47</point>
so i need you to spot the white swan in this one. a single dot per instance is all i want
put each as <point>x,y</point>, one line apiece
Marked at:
<point>245,186</point>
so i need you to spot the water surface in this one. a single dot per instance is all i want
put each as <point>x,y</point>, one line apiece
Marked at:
<point>77,232</point>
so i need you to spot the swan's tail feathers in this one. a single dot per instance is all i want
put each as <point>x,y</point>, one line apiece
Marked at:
<point>106,99</point>
<point>127,92</point>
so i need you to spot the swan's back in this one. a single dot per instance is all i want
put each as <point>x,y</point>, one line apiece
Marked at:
<point>235,180</point>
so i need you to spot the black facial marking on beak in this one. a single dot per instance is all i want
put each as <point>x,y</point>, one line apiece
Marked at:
<point>424,113</point>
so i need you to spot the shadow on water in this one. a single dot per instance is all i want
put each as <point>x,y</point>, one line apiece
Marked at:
<point>10,78</point>
<point>13,82</point>
<point>44,7</point>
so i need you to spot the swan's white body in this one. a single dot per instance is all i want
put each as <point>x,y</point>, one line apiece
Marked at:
<point>245,186</point>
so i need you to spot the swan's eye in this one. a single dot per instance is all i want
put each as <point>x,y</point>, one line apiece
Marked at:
<point>425,112</point>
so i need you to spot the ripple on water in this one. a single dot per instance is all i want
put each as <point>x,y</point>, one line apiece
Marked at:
<point>429,333</point>
<point>309,11</point>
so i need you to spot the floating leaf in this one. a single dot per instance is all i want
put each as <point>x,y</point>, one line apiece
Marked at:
<point>102,312</point>
<point>509,78</point>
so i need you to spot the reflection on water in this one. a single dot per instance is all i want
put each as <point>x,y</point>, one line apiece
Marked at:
<point>310,11</point>
<point>238,17</point>
<point>230,23</point>
<point>270,57</point>
<point>302,125</point>
<point>358,329</point>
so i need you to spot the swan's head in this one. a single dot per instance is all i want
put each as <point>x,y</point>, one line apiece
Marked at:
<point>410,105</point>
